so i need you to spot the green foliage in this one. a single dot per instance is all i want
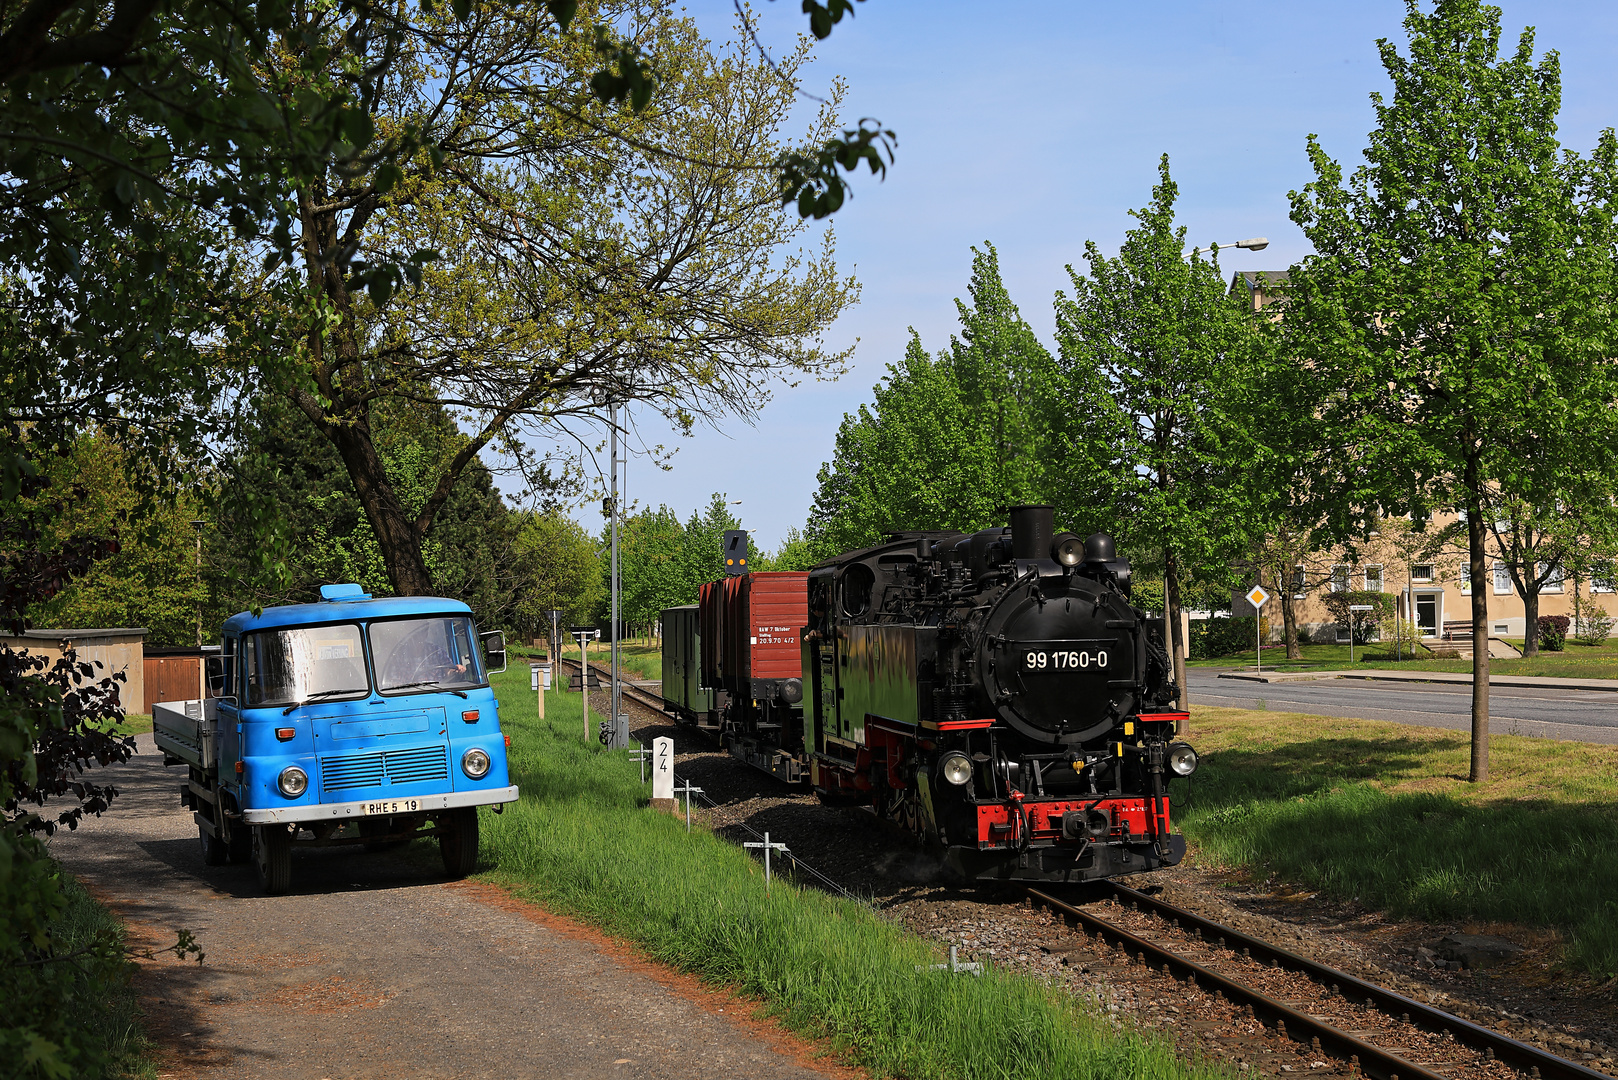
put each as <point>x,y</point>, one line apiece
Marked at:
<point>949,441</point>
<point>582,841</point>
<point>1210,639</point>
<point>1594,625</point>
<point>1552,632</point>
<point>1154,353</point>
<point>563,572</point>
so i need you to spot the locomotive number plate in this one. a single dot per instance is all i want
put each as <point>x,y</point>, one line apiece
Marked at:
<point>1064,657</point>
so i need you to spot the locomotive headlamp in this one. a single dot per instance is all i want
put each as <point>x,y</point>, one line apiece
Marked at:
<point>1182,759</point>
<point>956,767</point>
<point>1068,549</point>
<point>475,763</point>
<point>293,781</point>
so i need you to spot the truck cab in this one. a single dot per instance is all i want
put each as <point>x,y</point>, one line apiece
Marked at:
<point>352,721</point>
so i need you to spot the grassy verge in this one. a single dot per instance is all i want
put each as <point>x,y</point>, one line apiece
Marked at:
<point>1383,813</point>
<point>1574,662</point>
<point>581,842</point>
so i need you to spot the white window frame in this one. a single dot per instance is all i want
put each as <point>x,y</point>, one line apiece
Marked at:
<point>1342,578</point>
<point>1502,579</point>
<point>1555,582</point>
<point>1417,577</point>
<point>1381,580</point>
<point>1463,578</point>
<point>1602,579</point>
<point>1300,576</point>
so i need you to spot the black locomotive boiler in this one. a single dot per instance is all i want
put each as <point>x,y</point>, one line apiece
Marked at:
<point>997,694</point>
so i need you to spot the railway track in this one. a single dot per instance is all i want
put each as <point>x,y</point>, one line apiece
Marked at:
<point>1410,1041</point>
<point>1333,1020</point>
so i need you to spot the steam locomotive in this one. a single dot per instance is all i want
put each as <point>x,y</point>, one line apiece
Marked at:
<point>996,694</point>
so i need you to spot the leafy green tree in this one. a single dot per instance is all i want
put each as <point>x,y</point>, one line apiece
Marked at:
<point>562,572</point>
<point>1155,350</point>
<point>701,557</point>
<point>649,545</point>
<point>948,441</point>
<point>1453,327</point>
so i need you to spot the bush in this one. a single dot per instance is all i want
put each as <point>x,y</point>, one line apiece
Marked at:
<point>1594,625</point>
<point>1552,632</point>
<point>1213,638</point>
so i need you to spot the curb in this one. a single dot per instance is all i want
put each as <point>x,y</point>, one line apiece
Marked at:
<point>1524,682</point>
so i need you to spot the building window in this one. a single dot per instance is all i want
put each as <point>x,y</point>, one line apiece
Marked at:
<point>1502,579</point>
<point>1602,578</point>
<point>1422,572</point>
<point>1464,579</point>
<point>1553,580</point>
<point>1373,579</point>
<point>1297,582</point>
<point>1339,579</point>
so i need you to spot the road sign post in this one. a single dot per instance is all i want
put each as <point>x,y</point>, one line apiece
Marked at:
<point>1256,596</point>
<point>1352,624</point>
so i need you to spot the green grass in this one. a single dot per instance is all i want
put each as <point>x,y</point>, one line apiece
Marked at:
<point>1382,813</point>
<point>582,842</point>
<point>1575,662</point>
<point>642,660</point>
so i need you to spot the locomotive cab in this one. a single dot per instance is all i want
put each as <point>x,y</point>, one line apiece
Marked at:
<point>1000,696</point>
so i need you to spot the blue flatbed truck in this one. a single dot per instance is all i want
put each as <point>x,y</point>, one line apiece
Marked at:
<point>352,721</point>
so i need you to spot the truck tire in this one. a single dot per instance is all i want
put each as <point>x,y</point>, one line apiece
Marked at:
<point>458,842</point>
<point>272,852</point>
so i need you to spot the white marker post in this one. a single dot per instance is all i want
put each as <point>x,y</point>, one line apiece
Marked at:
<point>768,847</point>
<point>1353,608</point>
<point>663,769</point>
<point>1256,596</point>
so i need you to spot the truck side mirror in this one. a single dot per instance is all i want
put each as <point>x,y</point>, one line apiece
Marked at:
<point>494,650</point>
<point>214,668</point>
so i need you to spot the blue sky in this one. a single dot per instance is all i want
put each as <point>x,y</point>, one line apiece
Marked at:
<point>1036,127</point>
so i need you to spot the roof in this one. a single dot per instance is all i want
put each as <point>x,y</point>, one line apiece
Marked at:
<point>80,633</point>
<point>1257,279</point>
<point>344,611</point>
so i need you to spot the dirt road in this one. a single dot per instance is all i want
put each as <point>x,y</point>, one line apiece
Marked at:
<point>375,966</point>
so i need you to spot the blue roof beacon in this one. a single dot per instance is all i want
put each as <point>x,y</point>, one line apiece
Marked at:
<point>354,720</point>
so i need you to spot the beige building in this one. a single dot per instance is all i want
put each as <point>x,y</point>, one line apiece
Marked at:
<point>116,649</point>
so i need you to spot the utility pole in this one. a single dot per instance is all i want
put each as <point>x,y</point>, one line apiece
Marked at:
<point>612,421</point>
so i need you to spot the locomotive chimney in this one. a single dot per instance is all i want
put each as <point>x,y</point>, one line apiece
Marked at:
<point>1031,530</point>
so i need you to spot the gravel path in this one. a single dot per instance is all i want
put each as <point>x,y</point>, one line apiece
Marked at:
<point>377,967</point>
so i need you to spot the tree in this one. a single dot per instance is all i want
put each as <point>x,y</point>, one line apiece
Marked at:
<point>573,267</point>
<point>649,546</point>
<point>563,573</point>
<point>1153,348</point>
<point>950,441</point>
<point>1454,323</point>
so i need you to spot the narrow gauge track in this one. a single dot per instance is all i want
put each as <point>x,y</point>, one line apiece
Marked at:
<point>1291,1020</point>
<point>1304,1021</point>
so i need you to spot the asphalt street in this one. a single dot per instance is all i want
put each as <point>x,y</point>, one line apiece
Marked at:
<point>1580,715</point>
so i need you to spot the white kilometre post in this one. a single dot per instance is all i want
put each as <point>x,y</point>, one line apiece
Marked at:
<point>663,768</point>
<point>1256,596</point>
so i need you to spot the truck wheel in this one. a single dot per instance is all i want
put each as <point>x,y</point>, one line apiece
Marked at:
<point>241,845</point>
<point>215,852</point>
<point>458,843</point>
<point>272,852</point>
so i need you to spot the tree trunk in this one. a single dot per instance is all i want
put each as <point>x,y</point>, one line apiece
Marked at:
<point>1289,613</point>
<point>1480,626</point>
<point>1530,611</point>
<point>395,532</point>
<point>1171,615</point>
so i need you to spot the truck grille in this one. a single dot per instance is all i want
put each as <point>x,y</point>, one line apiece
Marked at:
<point>397,766</point>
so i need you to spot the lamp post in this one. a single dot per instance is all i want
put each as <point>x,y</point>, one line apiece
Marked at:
<point>1257,243</point>
<point>612,422</point>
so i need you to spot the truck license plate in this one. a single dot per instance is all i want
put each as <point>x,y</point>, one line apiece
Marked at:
<point>395,806</point>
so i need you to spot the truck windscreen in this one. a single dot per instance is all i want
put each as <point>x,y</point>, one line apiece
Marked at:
<point>312,663</point>
<point>434,653</point>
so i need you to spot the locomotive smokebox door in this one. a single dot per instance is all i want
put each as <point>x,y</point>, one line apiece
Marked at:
<point>735,551</point>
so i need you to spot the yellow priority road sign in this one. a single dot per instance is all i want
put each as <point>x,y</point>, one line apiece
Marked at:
<point>1256,596</point>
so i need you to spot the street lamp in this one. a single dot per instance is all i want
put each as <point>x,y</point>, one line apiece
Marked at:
<point>1257,243</point>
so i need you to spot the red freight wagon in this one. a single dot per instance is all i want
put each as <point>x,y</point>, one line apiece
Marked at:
<point>750,627</point>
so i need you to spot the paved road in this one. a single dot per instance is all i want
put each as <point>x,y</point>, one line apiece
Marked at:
<point>377,967</point>
<point>1581,715</point>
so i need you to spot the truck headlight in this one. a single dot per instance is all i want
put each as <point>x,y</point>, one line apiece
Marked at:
<point>475,763</point>
<point>293,781</point>
<point>1182,759</point>
<point>956,767</point>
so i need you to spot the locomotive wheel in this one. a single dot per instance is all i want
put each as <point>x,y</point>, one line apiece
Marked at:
<point>458,843</point>
<point>272,853</point>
